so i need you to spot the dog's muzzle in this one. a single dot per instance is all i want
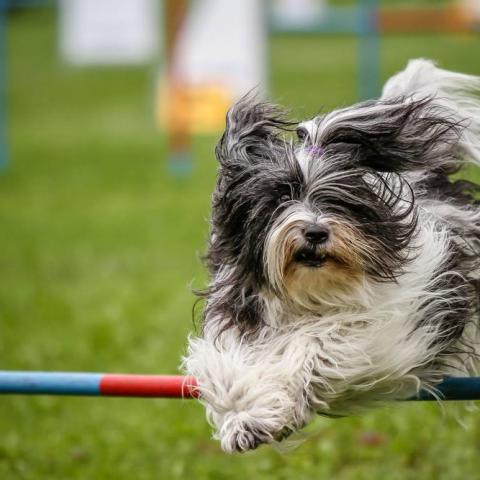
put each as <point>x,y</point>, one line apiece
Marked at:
<point>313,253</point>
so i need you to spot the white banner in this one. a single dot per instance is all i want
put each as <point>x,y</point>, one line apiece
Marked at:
<point>108,31</point>
<point>223,44</point>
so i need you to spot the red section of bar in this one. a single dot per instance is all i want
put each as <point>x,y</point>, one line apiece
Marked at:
<point>161,386</point>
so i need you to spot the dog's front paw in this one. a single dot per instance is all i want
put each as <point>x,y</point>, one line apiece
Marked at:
<point>240,433</point>
<point>242,441</point>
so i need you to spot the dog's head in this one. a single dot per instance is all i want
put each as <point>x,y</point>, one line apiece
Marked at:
<point>309,219</point>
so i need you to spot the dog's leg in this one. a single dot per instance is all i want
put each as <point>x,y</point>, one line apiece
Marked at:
<point>255,392</point>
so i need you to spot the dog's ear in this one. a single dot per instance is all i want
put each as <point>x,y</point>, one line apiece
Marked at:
<point>395,135</point>
<point>252,134</point>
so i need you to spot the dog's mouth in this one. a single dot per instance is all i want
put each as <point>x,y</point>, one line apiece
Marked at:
<point>310,257</point>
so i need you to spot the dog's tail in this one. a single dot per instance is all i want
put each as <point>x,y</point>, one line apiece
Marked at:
<point>458,93</point>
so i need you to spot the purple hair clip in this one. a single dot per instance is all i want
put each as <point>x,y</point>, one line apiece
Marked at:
<point>315,150</point>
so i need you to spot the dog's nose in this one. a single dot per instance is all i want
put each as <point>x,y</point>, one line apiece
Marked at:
<point>316,234</point>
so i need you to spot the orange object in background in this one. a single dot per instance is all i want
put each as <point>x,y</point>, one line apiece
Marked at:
<point>454,18</point>
<point>193,109</point>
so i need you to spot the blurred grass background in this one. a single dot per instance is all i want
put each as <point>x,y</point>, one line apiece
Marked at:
<point>98,247</point>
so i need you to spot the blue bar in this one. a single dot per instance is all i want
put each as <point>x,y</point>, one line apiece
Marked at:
<point>58,383</point>
<point>454,388</point>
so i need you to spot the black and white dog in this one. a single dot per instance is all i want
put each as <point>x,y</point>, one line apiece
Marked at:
<point>344,265</point>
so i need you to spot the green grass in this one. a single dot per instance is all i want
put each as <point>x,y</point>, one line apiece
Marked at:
<point>98,247</point>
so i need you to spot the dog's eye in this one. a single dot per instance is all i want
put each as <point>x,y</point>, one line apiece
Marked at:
<point>302,133</point>
<point>284,198</point>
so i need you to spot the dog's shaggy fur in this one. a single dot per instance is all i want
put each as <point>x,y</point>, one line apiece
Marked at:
<point>344,265</point>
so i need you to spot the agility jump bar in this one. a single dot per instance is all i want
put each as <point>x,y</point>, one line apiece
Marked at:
<point>97,384</point>
<point>167,386</point>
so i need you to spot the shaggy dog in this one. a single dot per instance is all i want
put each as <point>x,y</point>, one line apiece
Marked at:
<point>344,263</point>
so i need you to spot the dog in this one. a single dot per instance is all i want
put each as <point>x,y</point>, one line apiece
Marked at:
<point>344,263</point>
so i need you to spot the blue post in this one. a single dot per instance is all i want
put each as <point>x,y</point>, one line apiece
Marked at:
<point>3,86</point>
<point>368,50</point>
